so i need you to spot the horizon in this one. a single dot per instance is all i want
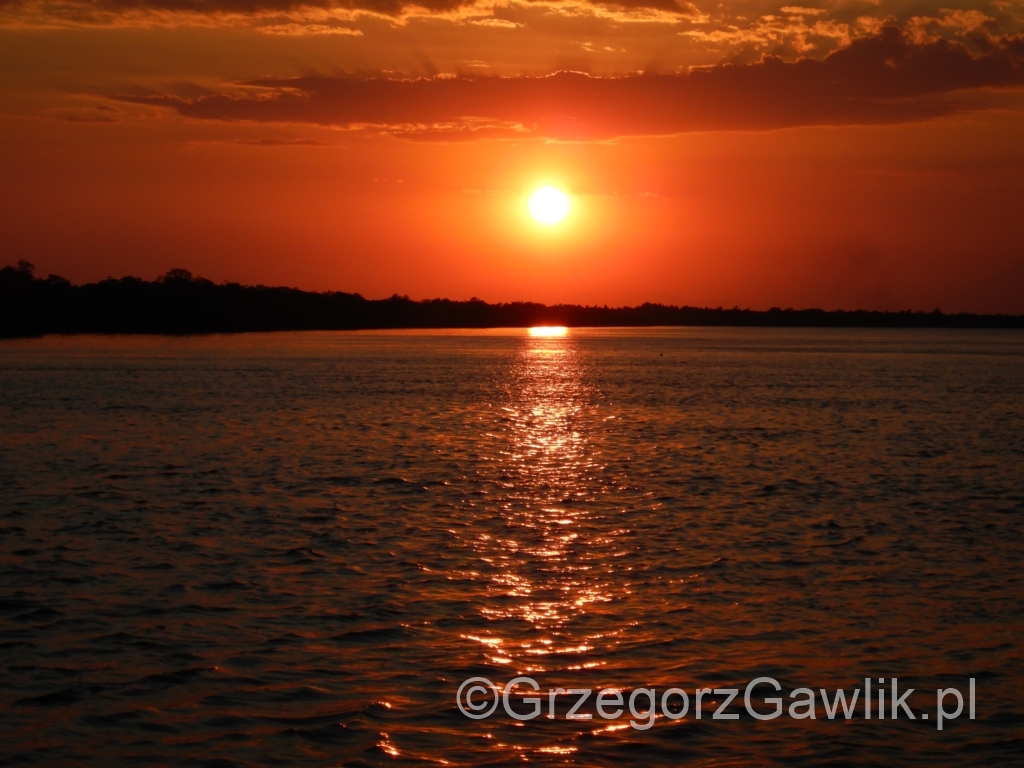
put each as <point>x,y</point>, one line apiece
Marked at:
<point>179,303</point>
<point>186,275</point>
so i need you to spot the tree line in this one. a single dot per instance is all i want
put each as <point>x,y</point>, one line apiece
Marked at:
<point>180,303</point>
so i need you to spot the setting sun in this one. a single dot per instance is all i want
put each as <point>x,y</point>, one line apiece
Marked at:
<point>549,205</point>
<point>549,330</point>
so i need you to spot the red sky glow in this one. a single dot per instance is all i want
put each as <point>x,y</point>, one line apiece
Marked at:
<point>844,154</point>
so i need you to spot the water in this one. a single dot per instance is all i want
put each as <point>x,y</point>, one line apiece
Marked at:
<point>291,549</point>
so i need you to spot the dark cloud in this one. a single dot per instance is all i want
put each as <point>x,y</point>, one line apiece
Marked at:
<point>879,79</point>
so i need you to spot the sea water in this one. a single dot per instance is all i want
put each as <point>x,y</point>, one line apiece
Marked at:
<point>293,548</point>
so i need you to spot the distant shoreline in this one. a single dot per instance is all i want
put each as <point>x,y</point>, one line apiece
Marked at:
<point>178,304</point>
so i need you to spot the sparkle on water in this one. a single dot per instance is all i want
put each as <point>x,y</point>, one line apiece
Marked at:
<point>292,548</point>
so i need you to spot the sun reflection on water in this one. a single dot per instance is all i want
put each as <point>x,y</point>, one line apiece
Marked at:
<point>551,556</point>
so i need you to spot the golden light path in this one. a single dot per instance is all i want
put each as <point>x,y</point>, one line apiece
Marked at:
<point>550,559</point>
<point>548,330</point>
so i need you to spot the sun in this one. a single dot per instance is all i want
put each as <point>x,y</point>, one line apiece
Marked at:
<point>549,205</point>
<point>548,330</point>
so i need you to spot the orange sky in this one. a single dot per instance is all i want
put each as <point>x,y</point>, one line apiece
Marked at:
<point>839,154</point>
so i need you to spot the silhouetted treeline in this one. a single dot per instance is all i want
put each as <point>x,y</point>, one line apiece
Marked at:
<point>180,303</point>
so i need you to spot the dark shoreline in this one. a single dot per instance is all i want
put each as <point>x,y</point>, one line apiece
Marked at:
<point>179,303</point>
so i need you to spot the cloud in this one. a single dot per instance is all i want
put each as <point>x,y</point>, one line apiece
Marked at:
<point>279,142</point>
<point>885,78</point>
<point>491,21</point>
<point>170,12</point>
<point>309,28</point>
<point>926,28</point>
<point>242,7</point>
<point>798,10</point>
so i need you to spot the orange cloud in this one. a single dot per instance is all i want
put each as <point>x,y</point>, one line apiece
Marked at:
<point>144,12</point>
<point>885,78</point>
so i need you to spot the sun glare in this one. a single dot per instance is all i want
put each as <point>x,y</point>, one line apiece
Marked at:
<point>549,330</point>
<point>549,205</point>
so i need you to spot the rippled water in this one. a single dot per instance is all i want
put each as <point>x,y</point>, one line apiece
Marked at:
<point>290,549</point>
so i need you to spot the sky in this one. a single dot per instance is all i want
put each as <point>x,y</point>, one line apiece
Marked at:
<point>841,154</point>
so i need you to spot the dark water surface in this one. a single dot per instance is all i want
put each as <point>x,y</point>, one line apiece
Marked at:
<point>291,549</point>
